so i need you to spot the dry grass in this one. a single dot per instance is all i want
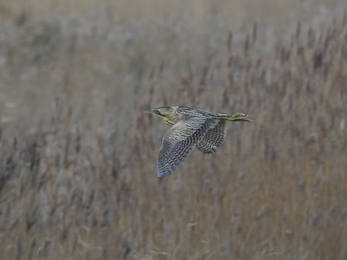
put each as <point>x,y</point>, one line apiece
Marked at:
<point>77,165</point>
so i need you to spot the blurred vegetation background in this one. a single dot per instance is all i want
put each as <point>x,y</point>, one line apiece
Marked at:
<point>78,158</point>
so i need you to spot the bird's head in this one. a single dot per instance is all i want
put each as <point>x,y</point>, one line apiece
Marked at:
<point>167,113</point>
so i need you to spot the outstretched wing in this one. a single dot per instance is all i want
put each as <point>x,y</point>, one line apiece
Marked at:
<point>213,138</point>
<point>179,141</point>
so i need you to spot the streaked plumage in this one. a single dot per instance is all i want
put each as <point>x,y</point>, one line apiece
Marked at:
<point>190,127</point>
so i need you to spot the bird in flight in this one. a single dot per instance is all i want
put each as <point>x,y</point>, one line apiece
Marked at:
<point>190,127</point>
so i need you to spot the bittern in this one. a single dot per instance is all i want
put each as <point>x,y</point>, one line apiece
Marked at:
<point>190,127</point>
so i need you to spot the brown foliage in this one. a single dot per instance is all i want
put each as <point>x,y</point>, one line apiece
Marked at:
<point>275,190</point>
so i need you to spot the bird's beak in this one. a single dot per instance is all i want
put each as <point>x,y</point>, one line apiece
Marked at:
<point>152,111</point>
<point>240,117</point>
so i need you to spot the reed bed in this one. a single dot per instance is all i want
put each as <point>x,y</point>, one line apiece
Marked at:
<point>78,158</point>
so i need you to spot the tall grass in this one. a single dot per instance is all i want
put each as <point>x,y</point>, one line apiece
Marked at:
<point>78,158</point>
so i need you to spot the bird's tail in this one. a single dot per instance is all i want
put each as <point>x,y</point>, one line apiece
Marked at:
<point>235,117</point>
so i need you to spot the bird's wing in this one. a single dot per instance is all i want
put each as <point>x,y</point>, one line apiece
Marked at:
<point>179,141</point>
<point>213,138</point>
